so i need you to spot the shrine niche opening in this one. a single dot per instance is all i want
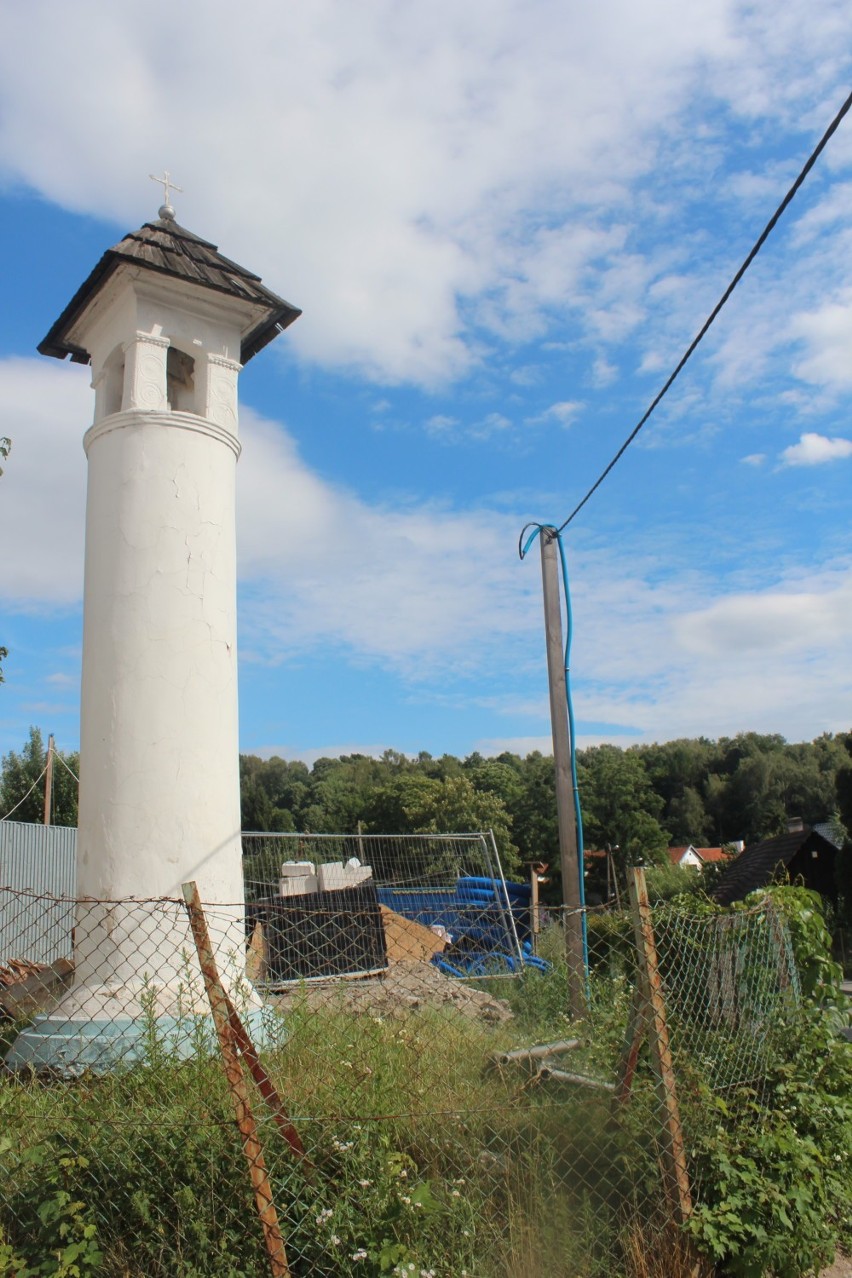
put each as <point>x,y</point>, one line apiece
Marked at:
<point>180,381</point>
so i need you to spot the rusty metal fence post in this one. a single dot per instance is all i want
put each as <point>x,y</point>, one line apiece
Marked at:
<point>220,1006</point>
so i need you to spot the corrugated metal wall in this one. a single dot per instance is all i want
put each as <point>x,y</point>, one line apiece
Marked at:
<point>39,859</point>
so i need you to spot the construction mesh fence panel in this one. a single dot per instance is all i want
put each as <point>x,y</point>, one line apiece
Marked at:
<point>450,884</point>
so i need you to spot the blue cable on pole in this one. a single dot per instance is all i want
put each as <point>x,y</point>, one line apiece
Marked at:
<point>569,630</point>
<point>523,547</point>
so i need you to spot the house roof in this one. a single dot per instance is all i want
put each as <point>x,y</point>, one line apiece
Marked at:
<point>704,854</point>
<point>760,864</point>
<point>169,249</point>
<point>713,854</point>
<point>829,830</point>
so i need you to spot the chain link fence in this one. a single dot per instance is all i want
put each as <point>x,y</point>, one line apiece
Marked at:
<point>173,1107</point>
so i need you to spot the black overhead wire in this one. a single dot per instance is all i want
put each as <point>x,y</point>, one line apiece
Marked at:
<point>758,245</point>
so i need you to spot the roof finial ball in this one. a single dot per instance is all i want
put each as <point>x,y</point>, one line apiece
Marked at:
<point>166,212</point>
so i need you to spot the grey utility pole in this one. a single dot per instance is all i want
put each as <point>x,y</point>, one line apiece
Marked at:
<point>573,921</point>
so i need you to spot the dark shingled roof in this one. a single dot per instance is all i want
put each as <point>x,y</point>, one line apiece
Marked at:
<point>761,864</point>
<point>170,249</point>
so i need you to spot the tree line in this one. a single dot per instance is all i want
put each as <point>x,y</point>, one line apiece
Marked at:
<point>636,800</point>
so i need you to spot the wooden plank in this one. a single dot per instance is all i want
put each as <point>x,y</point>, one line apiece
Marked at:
<point>220,1007</point>
<point>257,956</point>
<point>675,1174</point>
<point>637,1025</point>
<point>408,940</point>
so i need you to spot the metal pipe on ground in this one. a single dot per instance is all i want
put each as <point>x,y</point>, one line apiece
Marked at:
<point>548,1075</point>
<point>537,1053</point>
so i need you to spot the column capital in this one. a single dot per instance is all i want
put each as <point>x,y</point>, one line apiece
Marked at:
<point>151,339</point>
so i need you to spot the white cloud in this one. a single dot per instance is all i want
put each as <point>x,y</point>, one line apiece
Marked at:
<point>771,622</point>
<point>420,588</point>
<point>403,170</point>
<point>815,450</point>
<point>491,746</point>
<point>564,413</point>
<point>603,372</point>
<point>450,430</point>
<point>297,753</point>
<point>45,408</point>
<point>754,459</point>
<point>827,336</point>
<point>437,595</point>
<point>442,425</point>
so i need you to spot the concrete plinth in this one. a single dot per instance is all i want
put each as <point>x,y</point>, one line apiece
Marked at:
<point>152,1004</point>
<point>92,1042</point>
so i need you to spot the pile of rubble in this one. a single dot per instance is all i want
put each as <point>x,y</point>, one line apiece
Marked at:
<point>408,986</point>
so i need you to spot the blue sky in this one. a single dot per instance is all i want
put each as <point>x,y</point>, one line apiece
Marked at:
<point>503,222</point>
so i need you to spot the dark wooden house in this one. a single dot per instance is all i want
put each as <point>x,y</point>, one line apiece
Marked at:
<point>802,855</point>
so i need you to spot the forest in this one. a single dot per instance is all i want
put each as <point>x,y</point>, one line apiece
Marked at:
<point>636,800</point>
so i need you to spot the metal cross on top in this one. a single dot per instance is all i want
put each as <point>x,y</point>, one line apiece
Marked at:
<point>168,186</point>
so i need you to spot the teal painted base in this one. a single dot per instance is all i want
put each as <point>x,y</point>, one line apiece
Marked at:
<point>71,1047</point>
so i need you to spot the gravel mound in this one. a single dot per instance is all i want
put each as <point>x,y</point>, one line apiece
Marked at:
<point>406,987</point>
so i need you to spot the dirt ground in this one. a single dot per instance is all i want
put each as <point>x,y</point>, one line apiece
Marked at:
<point>842,1268</point>
<point>405,987</point>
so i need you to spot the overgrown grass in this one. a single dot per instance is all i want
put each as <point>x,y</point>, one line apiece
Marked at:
<point>426,1158</point>
<point>421,1155</point>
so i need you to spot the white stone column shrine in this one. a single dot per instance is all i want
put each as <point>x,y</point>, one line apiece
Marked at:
<point>167,324</point>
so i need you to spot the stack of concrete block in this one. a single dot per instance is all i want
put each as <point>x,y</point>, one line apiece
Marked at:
<point>336,875</point>
<point>298,878</point>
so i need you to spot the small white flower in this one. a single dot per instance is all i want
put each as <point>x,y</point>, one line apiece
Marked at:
<point>359,1255</point>
<point>364,1183</point>
<point>403,1174</point>
<point>455,1194</point>
<point>324,1215</point>
<point>335,1241</point>
<point>404,1198</point>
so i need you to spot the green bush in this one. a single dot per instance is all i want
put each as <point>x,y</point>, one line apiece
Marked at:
<point>611,947</point>
<point>774,1190</point>
<point>771,1162</point>
<point>803,911</point>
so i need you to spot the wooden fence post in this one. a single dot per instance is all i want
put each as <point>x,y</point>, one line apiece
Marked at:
<point>219,1006</point>
<point>673,1152</point>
